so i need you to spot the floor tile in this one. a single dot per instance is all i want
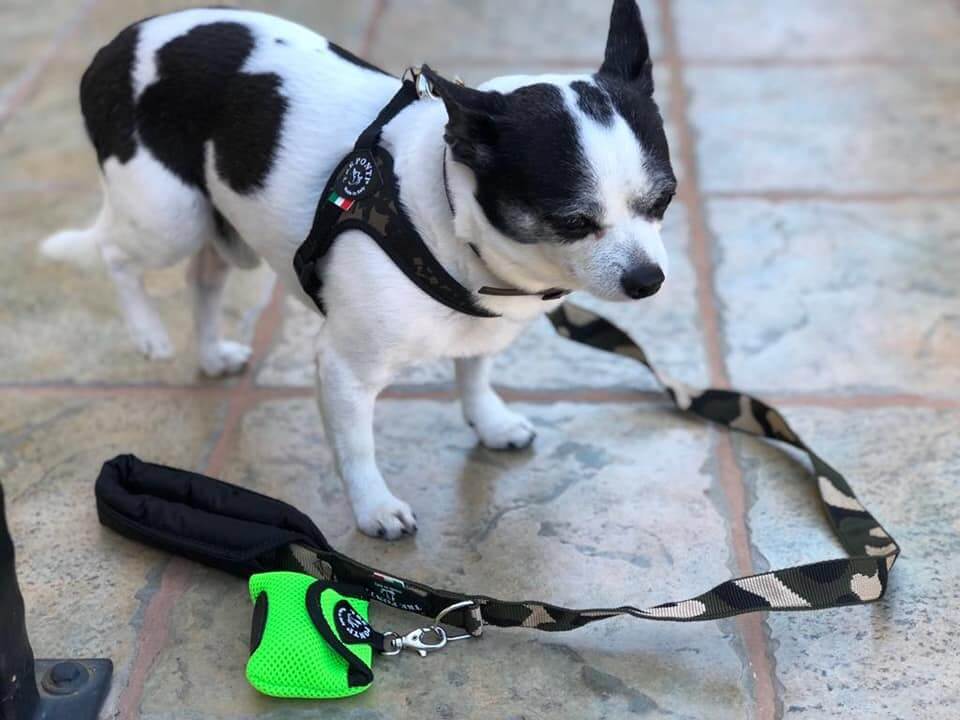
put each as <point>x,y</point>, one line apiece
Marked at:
<point>895,659</point>
<point>843,129</point>
<point>28,29</point>
<point>433,31</point>
<point>848,29</point>
<point>85,587</point>
<point>844,297</point>
<point>666,324</point>
<point>62,324</point>
<point>572,521</point>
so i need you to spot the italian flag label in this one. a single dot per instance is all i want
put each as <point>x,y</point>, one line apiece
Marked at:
<point>341,202</point>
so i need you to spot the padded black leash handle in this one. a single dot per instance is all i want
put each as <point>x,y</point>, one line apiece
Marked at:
<point>228,527</point>
<point>243,532</point>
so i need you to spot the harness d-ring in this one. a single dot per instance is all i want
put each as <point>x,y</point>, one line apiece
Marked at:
<point>472,604</point>
<point>415,638</point>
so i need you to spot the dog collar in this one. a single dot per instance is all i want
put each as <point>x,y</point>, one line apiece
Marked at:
<point>550,294</point>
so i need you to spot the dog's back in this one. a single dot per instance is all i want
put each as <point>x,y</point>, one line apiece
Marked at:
<point>215,130</point>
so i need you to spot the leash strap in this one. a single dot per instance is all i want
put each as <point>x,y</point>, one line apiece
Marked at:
<point>243,532</point>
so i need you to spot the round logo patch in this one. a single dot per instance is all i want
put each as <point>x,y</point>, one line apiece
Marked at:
<point>350,623</point>
<point>357,176</point>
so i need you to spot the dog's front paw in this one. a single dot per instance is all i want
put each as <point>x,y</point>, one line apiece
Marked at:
<point>224,358</point>
<point>153,343</point>
<point>504,430</point>
<point>390,519</point>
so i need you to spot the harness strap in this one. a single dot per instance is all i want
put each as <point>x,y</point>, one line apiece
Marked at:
<point>364,194</point>
<point>243,532</point>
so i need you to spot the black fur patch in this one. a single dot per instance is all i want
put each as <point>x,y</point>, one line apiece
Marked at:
<point>201,95</point>
<point>351,58</point>
<point>536,169</point>
<point>593,102</point>
<point>634,102</point>
<point>106,97</point>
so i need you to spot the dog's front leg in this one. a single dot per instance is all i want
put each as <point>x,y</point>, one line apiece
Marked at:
<point>497,426</point>
<point>346,396</point>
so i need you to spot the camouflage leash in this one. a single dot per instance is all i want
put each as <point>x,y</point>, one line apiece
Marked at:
<point>858,579</point>
<point>244,533</point>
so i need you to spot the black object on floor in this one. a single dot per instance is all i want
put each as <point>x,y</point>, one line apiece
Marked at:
<point>40,689</point>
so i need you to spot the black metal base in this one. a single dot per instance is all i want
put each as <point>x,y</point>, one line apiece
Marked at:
<point>71,689</point>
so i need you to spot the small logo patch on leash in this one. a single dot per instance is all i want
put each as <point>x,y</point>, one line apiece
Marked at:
<point>350,624</point>
<point>358,178</point>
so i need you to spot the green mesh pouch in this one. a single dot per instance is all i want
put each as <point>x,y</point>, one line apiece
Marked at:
<point>310,638</point>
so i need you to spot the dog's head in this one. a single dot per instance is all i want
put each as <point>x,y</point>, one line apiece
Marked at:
<point>569,176</point>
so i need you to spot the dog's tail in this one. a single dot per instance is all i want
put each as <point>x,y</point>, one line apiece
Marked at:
<point>78,247</point>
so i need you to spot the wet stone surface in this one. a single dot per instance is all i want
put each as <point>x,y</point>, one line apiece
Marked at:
<point>847,297</point>
<point>854,294</point>
<point>832,128</point>
<point>461,31</point>
<point>898,656</point>
<point>86,587</point>
<point>613,505</point>
<point>819,29</point>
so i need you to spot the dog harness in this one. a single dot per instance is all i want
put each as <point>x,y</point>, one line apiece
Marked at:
<point>311,635</point>
<point>364,194</point>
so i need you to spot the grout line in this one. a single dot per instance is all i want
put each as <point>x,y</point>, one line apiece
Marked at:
<point>689,194</point>
<point>865,402</point>
<point>751,627</point>
<point>799,195</point>
<point>773,62</point>
<point>373,25</point>
<point>23,87</point>
<point>176,576</point>
<point>614,395</point>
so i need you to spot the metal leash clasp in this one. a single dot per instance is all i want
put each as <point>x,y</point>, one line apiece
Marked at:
<point>419,640</point>
<point>414,640</point>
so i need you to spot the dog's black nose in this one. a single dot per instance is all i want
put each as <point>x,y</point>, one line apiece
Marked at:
<point>642,281</point>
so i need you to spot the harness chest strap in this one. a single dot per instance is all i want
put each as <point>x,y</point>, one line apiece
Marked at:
<point>246,533</point>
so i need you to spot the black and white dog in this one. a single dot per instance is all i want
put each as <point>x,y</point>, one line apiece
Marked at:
<point>217,129</point>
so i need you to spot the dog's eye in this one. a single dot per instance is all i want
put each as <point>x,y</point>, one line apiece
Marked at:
<point>659,208</point>
<point>576,227</point>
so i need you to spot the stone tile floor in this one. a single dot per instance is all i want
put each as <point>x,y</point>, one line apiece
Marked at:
<point>816,247</point>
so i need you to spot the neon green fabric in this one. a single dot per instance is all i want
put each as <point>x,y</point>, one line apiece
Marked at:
<point>293,659</point>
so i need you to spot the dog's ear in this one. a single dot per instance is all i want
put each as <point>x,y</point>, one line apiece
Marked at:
<point>471,131</point>
<point>627,56</point>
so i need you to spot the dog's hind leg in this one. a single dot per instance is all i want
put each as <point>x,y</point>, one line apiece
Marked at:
<point>156,221</point>
<point>206,277</point>
<point>144,324</point>
<point>497,426</point>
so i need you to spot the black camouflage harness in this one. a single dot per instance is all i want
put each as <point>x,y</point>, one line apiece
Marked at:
<point>364,194</point>
<point>244,533</point>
